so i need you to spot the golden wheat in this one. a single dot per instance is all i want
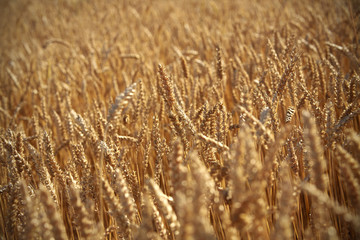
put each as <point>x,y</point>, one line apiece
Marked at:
<point>179,119</point>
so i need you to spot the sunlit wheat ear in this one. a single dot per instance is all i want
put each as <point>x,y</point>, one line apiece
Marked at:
<point>126,199</point>
<point>346,118</point>
<point>332,205</point>
<point>352,89</point>
<point>69,127</point>
<point>159,224</point>
<point>61,132</point>
<point>287,204</point>
<point>19,147</point>
<point>178,169</point>
<point>178,127</point>
<point>163,203</point>
<point>344,50</point>
<point>262,130</point>
<point>286,76</point>
<point>30,213</point>
<point>315,156</point>
<point>184,67</point>
<point>82,219</point>
<point>246,170</point>
<point>50,161</point>
<point>42,171</point>
<point>146,229</point>
<point>14,223</point>
<point>213,142</point>
<point>219,68</point>
<point>167,87</point>
<point>123,223</point>
<point>315,151</point>
<point>79,120</point>
<point>350,160</point>
<point>272,162</point>
<point>201,174</point>
<point>350,169</point>
<point>352,184</point>
<point>120,101</point>
<point>199,198</point>
<point>54,217</point>
<point>274,55</point>
<point>156,139</point>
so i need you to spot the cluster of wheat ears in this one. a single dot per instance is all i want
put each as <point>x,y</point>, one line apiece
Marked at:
<point>179,119</point>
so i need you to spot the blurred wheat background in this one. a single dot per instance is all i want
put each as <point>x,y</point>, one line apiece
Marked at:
<point>179,119</point>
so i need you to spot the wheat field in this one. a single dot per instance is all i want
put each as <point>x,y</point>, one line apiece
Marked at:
<point>186,119</point>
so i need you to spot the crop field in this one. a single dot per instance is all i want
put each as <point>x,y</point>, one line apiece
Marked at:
<point>187,119</point>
